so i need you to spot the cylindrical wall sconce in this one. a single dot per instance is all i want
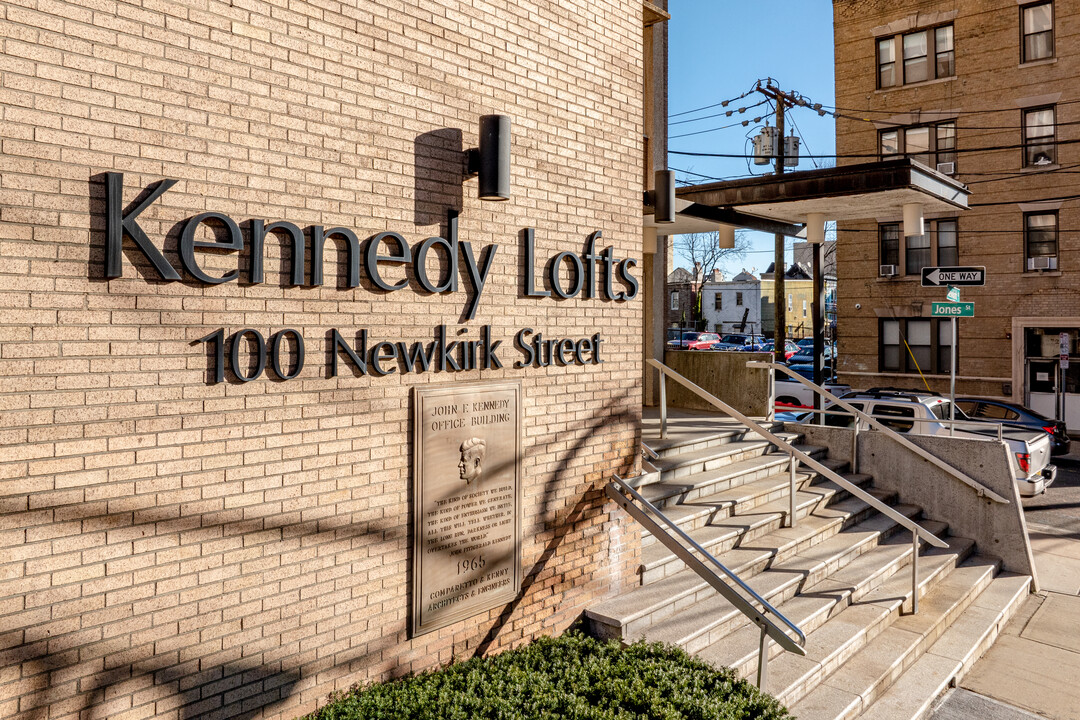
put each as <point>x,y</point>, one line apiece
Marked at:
<point>664,197</point>
<point>913,219</point>
<point>493,161</point>
<point>815,227</point>
<point>727,236</point>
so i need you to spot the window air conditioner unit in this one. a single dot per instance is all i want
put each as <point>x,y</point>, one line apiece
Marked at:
<point>948,168</point>
<point>887,270</point>
<point>1042,263</point>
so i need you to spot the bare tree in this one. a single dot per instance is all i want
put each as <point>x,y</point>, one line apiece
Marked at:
<point>703,250</point>
<point>704,253</point>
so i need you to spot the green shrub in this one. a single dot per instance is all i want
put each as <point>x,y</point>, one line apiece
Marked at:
<point>573,676</point>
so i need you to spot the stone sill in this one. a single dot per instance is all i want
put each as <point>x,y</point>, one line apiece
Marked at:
<point>908,86</point>
<point>1037,63</point>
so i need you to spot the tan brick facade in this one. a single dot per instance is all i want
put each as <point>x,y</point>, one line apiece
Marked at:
<point>175,548</point>
<point>985,96</point>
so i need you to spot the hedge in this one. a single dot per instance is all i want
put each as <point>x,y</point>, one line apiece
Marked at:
<point>573,676</point>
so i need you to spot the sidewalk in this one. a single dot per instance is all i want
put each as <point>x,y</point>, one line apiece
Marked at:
<point>1033,666</point>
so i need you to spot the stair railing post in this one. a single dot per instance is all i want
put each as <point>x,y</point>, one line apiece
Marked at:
<point>914,573</point>
<point>663,405</point>
<point>855,447</point>
<point>793,466</point>
<point>763,660</point>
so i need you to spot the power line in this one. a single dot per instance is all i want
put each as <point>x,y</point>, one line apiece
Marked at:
<point>744,123</point>
<point>936,112</point>
<point>723,103</point>
<point>993,148</point>
<point>729,113</point>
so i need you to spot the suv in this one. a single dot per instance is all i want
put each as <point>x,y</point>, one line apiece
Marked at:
<point>898,410</point>
<point>738,341</point>
<point>704,341</point>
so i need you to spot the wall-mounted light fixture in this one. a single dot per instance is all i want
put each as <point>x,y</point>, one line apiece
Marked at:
<point>815,227</point>
<point>913,219</point>
<point>662,198</point>
<point>491,161</point>
<point>726,236</point>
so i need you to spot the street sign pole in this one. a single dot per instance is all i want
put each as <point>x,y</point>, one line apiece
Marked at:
<point>952,381</point>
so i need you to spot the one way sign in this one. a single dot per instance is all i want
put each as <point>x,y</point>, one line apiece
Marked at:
<point>935,276</point>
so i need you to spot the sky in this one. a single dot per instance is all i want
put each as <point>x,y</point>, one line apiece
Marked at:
<point>717,50</point>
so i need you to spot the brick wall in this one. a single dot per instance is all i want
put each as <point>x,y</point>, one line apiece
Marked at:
<point>175,548</point>
<point>985,97</point>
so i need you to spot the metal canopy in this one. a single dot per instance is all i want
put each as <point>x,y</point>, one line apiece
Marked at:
<point>850,192</point>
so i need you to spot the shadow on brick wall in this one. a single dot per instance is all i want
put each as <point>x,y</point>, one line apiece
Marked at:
<point>438,175</point>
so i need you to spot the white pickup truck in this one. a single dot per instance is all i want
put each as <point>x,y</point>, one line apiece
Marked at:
<point>909,411</point>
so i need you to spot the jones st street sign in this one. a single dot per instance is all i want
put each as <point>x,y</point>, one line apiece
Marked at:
<point>935,276</point>
<point>952,309</point>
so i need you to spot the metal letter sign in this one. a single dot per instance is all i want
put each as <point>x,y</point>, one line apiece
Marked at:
<point>951,309</point>
<point>937,276</point>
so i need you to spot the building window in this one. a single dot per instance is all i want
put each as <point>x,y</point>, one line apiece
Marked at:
<point>927,54</point>
<point>918,250</point>
<point>886,62</point>
<point>718,301</point>
<point>789,299</point>
<point>738,299</point>
<point>804,308</point>
<point>915,65</point>
<point>929,144</point>
<point>675,300</point>
<point>948,253</point>
<point>913,345</point>
<point>889,241</point>
<point>916,253</point>
<point>1037,27</point>
<point>1041,240</point>
<point>1039,145</point>
<point>943,52</point>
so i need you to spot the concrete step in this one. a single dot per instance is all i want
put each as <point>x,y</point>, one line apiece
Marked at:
<point>629,615</point>
<point>867,549</point>
<point>684,464</point>
<point>828,647</point>
<point>666,494</point>
<point>724,434</point>
<point>741,499</point>
<point>894,676</point>
<point>814,610</point>
<point>726,535</point>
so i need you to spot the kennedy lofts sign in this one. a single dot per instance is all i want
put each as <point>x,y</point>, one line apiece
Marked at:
<point>592,275</point>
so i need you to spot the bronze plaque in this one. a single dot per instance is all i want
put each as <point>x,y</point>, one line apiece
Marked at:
<point>467,501</point>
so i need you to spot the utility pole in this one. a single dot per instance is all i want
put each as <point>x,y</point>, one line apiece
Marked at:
<point>779,293</point>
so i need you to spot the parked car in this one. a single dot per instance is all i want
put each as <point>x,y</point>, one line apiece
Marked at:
<point>792,395</point>
<point>999,411</point>
<point>897,409</point>
<point>790,348</point>
<point>804,357</point>
<point>806,343</point>
<point>683,340</point>
<point>704,341</point>
<point>738,341</point>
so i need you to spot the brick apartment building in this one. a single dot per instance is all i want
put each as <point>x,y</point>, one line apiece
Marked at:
<point>197,519</point>
<point>988,92</point>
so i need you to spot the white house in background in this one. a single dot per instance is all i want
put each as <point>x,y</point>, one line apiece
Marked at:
<point>733,306</point>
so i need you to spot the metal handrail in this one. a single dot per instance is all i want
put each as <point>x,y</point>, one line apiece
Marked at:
<point>897,419</point>
<point>978,487</point>
<point>855,490</point>
<point>617,490</point>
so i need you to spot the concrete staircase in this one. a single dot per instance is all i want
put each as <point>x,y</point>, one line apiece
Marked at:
<point>842,574</point>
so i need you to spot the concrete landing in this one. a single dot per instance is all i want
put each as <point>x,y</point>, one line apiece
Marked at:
<point>1036,660</point>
